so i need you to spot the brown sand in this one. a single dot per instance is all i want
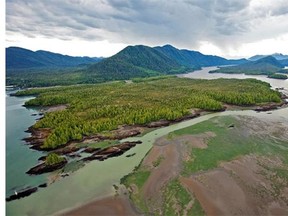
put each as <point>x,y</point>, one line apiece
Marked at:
<point>239,187</point>
<point>111,206</point>
<point>173,152</point>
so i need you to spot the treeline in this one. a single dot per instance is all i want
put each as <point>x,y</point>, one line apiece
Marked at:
<point>103,107</point>
<point>278,76</point>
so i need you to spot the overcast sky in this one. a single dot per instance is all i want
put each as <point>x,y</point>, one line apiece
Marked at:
<point>230,28</point>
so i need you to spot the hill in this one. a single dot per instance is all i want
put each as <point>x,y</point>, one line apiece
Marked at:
<point>195,59</point>
<point>284,62</point>
<point>265,66</point>
<point>277,56</point>
<point>144,61</point>
<point>19,58</point>
<point>134,61</point>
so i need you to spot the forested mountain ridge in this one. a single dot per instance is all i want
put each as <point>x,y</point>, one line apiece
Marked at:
<point>135,61</point>
<point>132,62</point>
<point>277,56</point>
<point>195,59</point>
<point>17,58</point>
<point>265,66</point>
<point>144,61</point>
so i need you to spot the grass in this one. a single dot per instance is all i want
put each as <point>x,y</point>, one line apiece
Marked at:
<point>228,144</point>
<point>176,195</point>
<point>196,209</point>
<point>138,178</point>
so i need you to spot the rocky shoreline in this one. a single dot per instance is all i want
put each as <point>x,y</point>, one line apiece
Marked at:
<point>44,168</point>
<point>70,149</point>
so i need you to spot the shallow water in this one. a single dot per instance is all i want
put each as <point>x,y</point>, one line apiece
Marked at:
<point>19,158</point>
<point>204,74</point>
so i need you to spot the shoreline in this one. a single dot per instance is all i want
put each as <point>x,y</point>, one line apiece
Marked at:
<point>156,125</point>
<point>118,203</point>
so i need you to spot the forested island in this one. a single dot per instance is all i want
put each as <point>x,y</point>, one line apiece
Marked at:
<point>278,76</point>
<point>93,109</point>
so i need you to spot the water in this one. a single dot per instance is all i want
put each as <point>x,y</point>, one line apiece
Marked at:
<point>19,158</point>
<point>204,74</point>
<point>97,177</point>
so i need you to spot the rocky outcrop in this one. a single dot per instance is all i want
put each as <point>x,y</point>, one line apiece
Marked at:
<point>23,193</point>
<point>44,168</point>
<point>269,107</point>
<point>37,137</point>
<point>67,150</point>
<point>111,151</point>
<point>164,123</point>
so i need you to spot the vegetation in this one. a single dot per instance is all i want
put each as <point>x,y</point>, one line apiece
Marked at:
<point>194,59</point>
<point>265,66</point>
<point>278,76</point>
<point>53,158</point>
<point>138,177</point>
<point>176,199</point>
<point>40,69</point>
<point>227,145</point>
<point>17,58</point>
<point>97,108</point>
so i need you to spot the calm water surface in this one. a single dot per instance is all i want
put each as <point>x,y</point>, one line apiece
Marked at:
<point>19,158</point>
<point>97,177</point>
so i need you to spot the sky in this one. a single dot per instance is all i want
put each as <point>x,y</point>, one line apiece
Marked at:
<point>229,28</point>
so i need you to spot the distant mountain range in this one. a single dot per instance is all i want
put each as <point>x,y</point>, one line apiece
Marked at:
<point>19,58</point>
<point>41,68</point>
<point>277,56</point>
<point>265,66</point>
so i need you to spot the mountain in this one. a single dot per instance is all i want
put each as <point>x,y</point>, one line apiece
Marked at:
<point>131,62</point>
<point>19,58</point>
<point>267,65</point>
<point>135,61</point>
<point>277,56</point>
<point>144,61</point>
<point>284,62</point>
<point>195,59</point>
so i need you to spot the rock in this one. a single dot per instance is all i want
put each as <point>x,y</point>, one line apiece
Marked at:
<point>64,175</point>
<point>74,155</point>
<point>43,185</point>
<point>268,107</point>
<point>112,151</point>
<point>37,137</point>
<point>160,123</point>
<point>130,155</point>
<point>122,134</point>
<point>23,193</point>
<point>43,168</point>
<point>91,150</point>
<point>67,150</point>
<point>42,158</point>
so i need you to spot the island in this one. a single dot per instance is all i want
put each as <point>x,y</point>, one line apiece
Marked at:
<point>93,118</point>
<point>83,123</point>
<point>278,76</point>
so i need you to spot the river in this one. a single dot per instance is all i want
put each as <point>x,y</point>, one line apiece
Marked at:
<point>96,178</point>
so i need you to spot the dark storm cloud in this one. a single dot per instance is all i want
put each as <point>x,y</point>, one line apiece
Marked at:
<point>182,23</point>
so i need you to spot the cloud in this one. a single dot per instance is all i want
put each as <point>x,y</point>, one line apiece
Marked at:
<point>227,24</point>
